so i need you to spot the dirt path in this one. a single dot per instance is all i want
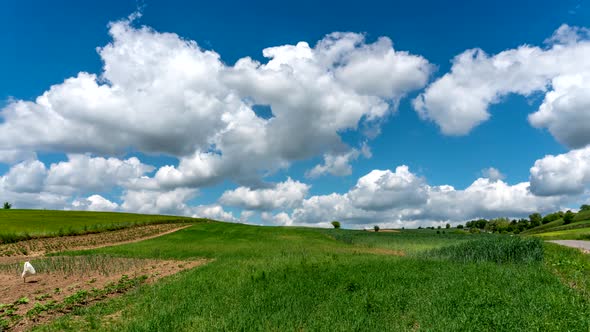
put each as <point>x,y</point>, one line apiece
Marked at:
<point>584,245</point>
<point>76,277</point>
<point>65,282</point>
<point>173,230</point>
<point>10,253</point>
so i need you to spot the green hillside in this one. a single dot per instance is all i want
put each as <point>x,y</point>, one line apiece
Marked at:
<point>582,215</point>
<point>32,223</point>
<point>567,234</point>
<point>557,228</point>
<point>304,279</point>
<point>544,228</point>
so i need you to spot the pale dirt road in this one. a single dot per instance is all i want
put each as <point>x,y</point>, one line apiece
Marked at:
<point>585,245</point>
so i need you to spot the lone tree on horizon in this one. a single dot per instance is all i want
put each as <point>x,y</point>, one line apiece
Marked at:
<point>7,206</point>
<point>336,224</point>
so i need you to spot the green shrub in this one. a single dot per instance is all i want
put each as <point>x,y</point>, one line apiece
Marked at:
<point>498,249</point>
<point>568,217</point>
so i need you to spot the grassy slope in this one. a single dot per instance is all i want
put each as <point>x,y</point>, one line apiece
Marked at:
<point>270,278</point>
<point>544,228</point>
<point>581,220</point>
<point>568,234</point>
<point>577,230</point>
<point>582,215</point>
<point>44,222</point>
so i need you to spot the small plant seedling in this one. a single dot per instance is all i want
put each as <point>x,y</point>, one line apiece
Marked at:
<point>4,324</point>
<point>43,297</point>
<point>22,300</point>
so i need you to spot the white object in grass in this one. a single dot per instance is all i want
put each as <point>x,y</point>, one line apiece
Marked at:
<point>28,270</point>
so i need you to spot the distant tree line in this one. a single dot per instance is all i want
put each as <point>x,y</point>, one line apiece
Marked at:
<point>515,226</point>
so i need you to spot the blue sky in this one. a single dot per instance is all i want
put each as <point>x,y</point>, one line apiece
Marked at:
<point>472,131</point>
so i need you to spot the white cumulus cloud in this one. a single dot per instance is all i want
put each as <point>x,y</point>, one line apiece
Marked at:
<point>493,174</point>
<point>564,174</point>
<point>287,194</point>
<point>212,211</point>
<point>338,164</point>
<point>160,93</point>
<point>173,202</point>
<point>459,100</point>
<point>86,173</point>
<point>94,203</point>
<point>401,198</point>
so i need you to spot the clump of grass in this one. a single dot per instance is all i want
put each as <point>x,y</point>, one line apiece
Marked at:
<point>77,265</point>
<point>497,249</point>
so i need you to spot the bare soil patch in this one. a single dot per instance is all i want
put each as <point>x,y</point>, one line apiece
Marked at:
<point>63,282</point>
<point>25,250</point>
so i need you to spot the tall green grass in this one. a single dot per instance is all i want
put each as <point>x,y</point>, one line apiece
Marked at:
<point>19,225</point>
<point>495,249</point>
<point>408,241</point>
<point>79,266</point>
<point>294,279</point>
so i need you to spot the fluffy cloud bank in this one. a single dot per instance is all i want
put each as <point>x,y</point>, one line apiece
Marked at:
<point>564,174</point>
<point>94,203</point>
<point>31,183</point>
<point>392,198</point>
<point>401,198</point>
<point>159,93</point>
<point>459,100</point>
<point>338,164</point>
<point>283,195</point>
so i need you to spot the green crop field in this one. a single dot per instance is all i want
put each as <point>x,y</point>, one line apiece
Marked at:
<point>22,224</point>
<point>567,234</point>
<point>304,279</point>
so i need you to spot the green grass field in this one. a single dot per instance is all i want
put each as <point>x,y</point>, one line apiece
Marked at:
<point>568,234</point>
<point>544,228</point>
<point>582,215</point>
<point>23,224</point>
<point>286,279</point>
<point>578,229</point>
